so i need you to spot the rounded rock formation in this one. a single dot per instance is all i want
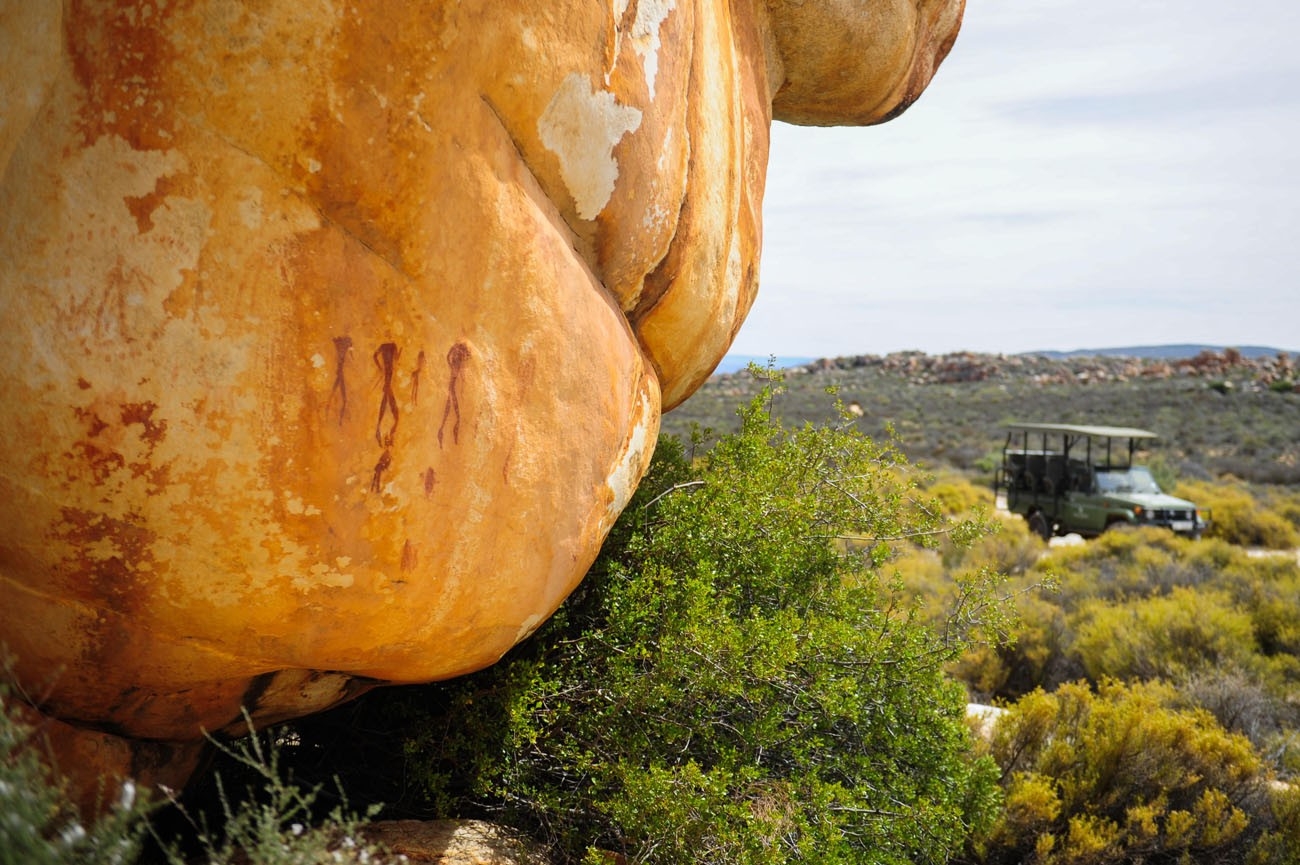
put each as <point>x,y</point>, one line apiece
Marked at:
<point>335,337</point>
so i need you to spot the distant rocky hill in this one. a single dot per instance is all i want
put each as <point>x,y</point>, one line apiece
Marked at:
<point>1183,351</point>
<point>1165,352</point>
<point>1229,365</point>
<point>1217,412</point>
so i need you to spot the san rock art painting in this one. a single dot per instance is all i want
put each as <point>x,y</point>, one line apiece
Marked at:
<point>334,338</point>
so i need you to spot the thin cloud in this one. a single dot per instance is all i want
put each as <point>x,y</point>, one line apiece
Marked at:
<point>1197,103</point>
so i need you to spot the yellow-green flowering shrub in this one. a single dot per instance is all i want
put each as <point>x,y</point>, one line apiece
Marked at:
<point>1165,636</point>
<point>1119,776</point>
<point>1239,518</point>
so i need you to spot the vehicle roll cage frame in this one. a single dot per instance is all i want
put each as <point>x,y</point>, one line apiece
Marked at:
<point>1071,437</point>
<point>1071,434</point>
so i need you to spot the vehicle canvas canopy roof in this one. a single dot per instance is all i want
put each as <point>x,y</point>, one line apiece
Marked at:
<point>1076,429</point>
<point>1076,442</point>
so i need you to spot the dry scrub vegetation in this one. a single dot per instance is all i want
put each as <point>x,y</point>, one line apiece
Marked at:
<point>1152,685</point>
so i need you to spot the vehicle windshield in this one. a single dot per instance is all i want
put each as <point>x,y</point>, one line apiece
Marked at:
<point>1134,480</point>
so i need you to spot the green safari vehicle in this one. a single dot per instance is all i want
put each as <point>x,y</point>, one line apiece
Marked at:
<point>1066,478</point>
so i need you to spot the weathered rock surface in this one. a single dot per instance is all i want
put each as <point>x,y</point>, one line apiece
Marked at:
<point>335,337</point>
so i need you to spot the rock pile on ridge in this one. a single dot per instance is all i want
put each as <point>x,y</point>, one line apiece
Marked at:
<point>1227,366</point>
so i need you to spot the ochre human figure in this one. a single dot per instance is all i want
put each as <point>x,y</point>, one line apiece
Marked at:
<point>211,214</point>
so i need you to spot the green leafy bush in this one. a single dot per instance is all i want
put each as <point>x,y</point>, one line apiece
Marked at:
<point>1037,654</point>
<point>1001,666</point>
<point>1010,549</point>
<point>735,681</point>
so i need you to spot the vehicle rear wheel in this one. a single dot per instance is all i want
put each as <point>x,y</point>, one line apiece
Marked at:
<point>1038,524</point>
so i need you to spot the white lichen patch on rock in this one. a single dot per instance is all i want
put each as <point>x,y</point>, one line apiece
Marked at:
<point>644,36</point>
<point>623,480</point>
<point>650,16</point>
<point>581,126</point>
<point>730,299</point>
<point>250,208</point>
<point>529,625</point>
<point>322,575</point>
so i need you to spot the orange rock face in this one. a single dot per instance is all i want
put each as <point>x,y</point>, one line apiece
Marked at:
<point>334,337</point>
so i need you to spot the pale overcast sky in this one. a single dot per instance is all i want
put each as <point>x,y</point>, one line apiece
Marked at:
<point>1080,174</point>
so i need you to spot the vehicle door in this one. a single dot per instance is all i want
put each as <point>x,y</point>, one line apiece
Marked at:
<point>1083,510</point>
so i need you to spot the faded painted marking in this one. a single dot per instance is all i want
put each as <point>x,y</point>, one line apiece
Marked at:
<point>377,481</point>
<point>457,355</point>
<point>415,378</point>
<point>385,361</point>
<point>410,556</point>
<point>342,348</point>
<point>429,477</point>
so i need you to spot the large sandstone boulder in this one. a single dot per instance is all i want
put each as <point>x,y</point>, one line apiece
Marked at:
<point>335,336</point>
